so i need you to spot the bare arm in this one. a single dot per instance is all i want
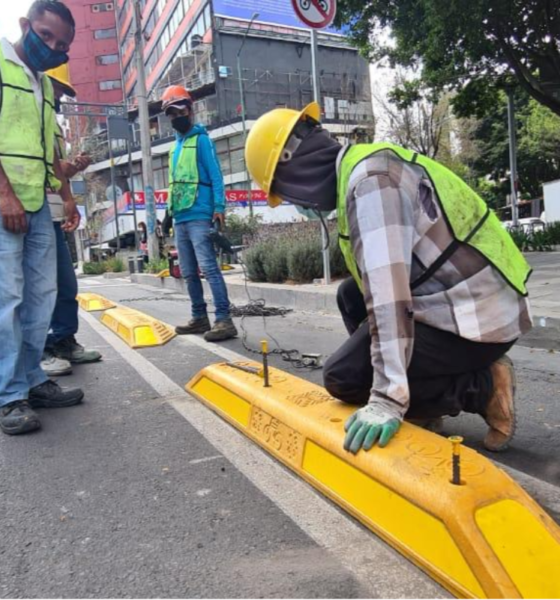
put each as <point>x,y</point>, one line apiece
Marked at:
<point>72,213</point>
<point>11,209</point>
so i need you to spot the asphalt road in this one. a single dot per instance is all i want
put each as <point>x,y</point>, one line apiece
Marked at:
<point>123,497</point>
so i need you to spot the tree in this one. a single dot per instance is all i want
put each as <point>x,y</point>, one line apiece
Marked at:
<point>538,141</point>
<point>472,47</point>
<point>416,119</point>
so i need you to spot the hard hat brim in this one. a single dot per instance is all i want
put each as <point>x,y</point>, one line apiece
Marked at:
<point>312,110</point>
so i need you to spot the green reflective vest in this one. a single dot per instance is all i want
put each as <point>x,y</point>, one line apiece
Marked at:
<point>469,218</point>
<point>184,178</point>
<point>27,136</point>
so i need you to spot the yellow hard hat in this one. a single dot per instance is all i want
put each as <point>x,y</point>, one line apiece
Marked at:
<point>61,75</point>
<point>267,139</point>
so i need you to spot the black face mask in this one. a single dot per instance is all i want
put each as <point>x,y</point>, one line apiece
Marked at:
<point>57,106</point>
<point>181,124</point>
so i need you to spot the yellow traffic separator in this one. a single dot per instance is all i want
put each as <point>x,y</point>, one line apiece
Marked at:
<point>480,537</point>
<point>137,329</point>
<point>93,302</point>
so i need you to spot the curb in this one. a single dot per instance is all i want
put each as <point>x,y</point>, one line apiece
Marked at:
<point>286,296</point>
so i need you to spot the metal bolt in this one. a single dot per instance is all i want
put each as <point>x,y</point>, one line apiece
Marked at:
<point>264,348</point>
<point>456,441</point>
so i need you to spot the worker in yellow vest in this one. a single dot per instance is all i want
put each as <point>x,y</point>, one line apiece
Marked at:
<point>197,204</point>
<point>29,167</point>
<point>438,290</point>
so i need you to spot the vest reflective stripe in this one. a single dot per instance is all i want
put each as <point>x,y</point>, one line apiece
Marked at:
<point>469,218</point>
<point>184,178</point>
<point>26,135</point>
<point>60,143</point>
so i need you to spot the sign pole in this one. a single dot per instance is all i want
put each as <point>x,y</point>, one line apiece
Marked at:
<point>317,98</point>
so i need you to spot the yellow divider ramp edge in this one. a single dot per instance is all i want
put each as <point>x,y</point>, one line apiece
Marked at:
<point>93,302</point>
<point>485,538</point>
<point>137,329</point>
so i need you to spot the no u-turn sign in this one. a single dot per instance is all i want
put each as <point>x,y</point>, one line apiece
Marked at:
<point>316,14</point>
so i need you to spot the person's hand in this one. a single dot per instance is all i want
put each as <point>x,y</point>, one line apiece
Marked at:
<point>73,216</point>
<point>13,214</point>
<point>82,162</point>
<point>220,218</point>
<point>368,425</point>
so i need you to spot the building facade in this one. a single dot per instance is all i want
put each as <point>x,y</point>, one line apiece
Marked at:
<point>222,55</point>
<point>94,56</point>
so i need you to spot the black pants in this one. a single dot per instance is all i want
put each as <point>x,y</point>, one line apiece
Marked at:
<point>447,374</point>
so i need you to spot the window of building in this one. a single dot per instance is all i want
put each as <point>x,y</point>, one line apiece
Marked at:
<point>111,84</point>
<point>103,7</point>
<point>107,59</point>
<point>104,34</point>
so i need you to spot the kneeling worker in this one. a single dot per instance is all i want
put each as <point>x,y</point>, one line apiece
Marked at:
<point>438,293</point>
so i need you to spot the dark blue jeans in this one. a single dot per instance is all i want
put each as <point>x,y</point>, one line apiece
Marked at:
<point>196,249</point>
<point>64,321</point>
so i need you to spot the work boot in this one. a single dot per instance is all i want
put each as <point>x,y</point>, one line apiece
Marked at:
<point>196,325</point>
<point>500,411</point>
<point>433,425</point>
<point>222,330</point>
<point>69,349</point>
<point>17,417</point>
<point>54,366</point>
<point>51,395</point>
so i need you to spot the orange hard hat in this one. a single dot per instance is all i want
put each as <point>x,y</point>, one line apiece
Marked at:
<point>175,95</point>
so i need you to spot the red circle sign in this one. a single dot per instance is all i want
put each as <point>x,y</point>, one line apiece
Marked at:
<point>316,14</point>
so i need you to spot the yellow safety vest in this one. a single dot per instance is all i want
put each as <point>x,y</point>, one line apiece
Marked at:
<point>468,216</point>
<point>184,178</point>
<point>27,135</point>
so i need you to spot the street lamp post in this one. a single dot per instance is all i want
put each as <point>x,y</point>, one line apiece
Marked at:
<point>243,114</point>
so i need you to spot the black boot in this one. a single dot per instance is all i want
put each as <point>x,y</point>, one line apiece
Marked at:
<point>51,395</point>
<point>17,417</point>
<point>199,325</point>
<point>222,330</point>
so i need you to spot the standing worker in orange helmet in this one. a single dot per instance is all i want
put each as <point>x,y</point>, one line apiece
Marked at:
<point>196,203</point>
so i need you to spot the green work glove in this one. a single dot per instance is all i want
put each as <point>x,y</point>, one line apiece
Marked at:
<point>368,425</point>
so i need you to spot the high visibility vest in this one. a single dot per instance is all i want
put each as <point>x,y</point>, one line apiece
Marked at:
<point>184,177</point>
<point>27,136</point>
<point>469,218</point>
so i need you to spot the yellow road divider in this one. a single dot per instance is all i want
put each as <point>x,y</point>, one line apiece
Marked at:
<point>93,302</point>
<point>445,507</point>
<point>137,329</point>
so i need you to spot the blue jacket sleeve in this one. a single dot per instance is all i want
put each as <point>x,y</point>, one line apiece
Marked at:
<point>211,165</point>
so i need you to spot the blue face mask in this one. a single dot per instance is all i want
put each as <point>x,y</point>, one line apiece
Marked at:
<point>39,56</point>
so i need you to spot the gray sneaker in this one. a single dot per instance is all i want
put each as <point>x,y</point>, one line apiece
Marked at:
<point>54,366</point>
<point>222,330</point>
<point>69,349</point>
<point>194,326</point>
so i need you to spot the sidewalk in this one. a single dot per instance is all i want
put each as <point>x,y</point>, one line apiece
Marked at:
<point>544,289</point>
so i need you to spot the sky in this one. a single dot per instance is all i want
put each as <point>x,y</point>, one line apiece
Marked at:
<point>9,17</point>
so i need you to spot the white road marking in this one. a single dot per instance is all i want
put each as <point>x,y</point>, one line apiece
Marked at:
<point>382,571</point>
<point>198,461</point>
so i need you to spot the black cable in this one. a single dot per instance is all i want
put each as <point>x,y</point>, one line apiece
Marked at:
<point>257,308</point>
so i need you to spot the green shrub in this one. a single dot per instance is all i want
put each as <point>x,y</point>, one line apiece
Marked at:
<point>338,264</point>
<point>275,262</point>
<point>305,260</point>
<point>157,266</point>
<point>115,265</point>
<point>238,227</point>
<point>94,268</point>
<point>254,261</point>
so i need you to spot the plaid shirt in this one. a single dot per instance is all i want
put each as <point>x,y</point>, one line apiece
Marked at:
<point>397,230</point>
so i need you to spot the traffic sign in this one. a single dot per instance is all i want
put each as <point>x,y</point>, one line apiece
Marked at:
<point>316,14</point>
